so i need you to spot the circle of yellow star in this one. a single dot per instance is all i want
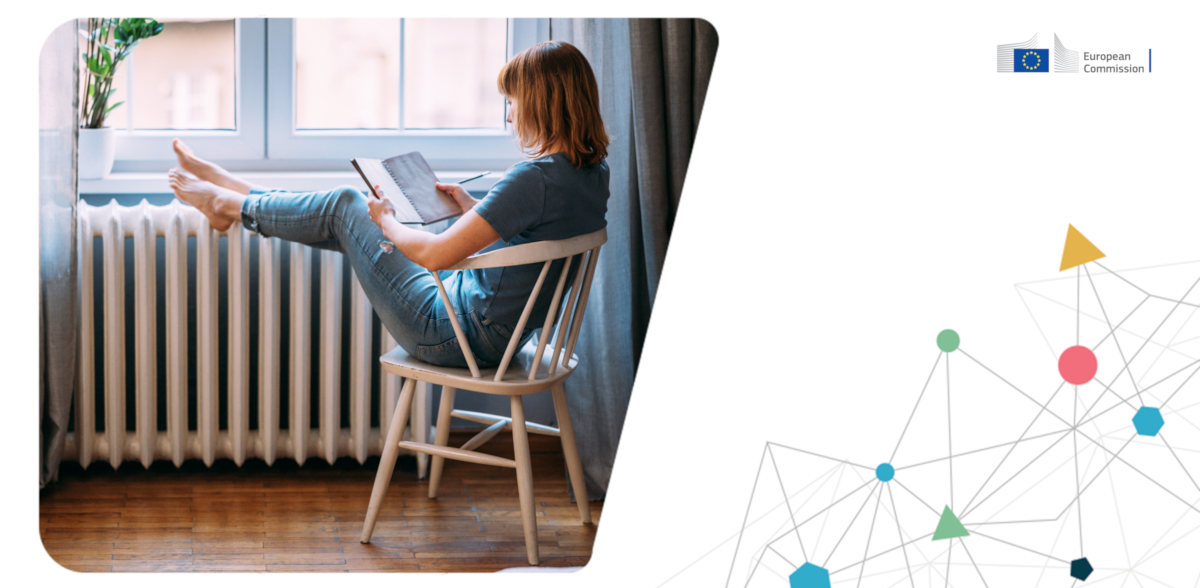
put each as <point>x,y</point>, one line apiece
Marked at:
<point>1026,65</point>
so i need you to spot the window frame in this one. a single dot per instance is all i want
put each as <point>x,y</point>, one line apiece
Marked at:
<point>265,114</point>
<point>444,148</point>
<point>246,141</point>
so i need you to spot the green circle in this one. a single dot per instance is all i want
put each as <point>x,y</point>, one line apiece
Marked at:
<point>948,340</point>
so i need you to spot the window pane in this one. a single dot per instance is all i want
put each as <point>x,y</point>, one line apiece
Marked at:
<point>183,78</point>
<point>347,73</point>
<point>450,69</point>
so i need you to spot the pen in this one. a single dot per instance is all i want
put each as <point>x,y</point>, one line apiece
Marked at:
<point>472,178</point>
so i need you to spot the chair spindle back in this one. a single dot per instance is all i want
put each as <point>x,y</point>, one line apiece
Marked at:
<point>581,252</point>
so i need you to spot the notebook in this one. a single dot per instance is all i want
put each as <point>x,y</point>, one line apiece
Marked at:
<point>408,181</point>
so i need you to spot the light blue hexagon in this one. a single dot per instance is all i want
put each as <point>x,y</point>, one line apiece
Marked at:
<point>1148,421</point>
<point>810,576</point>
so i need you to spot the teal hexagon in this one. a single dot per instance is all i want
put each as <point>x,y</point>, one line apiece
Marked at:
<point>810,576</point>
<point>1148,421</point>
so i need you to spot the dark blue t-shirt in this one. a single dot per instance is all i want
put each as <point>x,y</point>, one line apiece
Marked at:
<point>543,199</point>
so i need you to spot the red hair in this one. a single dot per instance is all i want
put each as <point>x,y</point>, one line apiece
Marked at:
<point>556,101</point>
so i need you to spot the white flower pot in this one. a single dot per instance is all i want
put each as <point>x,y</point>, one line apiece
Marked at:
<point>97,149</point>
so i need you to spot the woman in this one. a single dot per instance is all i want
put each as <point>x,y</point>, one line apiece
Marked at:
<point>562,192</point>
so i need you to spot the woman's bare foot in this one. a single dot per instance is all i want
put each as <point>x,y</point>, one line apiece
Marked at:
<point>206,170</point>
<point>206,196</point>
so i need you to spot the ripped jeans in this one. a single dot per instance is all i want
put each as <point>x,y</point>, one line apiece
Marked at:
<point>402,293</point>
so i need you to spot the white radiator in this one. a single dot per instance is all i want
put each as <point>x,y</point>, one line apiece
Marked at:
<point>146,443</point>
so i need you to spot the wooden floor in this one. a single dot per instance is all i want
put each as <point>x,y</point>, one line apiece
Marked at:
<point>286,518</point>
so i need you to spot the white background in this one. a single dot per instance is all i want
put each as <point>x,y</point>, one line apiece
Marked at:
<point>895,185</point>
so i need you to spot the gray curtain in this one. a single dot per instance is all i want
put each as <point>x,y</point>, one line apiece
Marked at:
<point>57,304</point>
<point>653,75</point>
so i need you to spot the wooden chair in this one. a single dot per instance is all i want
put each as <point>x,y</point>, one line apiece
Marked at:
<point>536,367</point>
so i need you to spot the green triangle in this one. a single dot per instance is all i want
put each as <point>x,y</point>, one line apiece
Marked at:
<point>949,527</point>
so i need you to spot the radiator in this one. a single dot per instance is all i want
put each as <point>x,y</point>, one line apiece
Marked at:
<point>176,222</point>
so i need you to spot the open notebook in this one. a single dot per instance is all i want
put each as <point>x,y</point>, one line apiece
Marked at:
<point>408,181</point>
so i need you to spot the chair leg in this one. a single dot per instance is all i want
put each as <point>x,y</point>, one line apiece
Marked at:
<point>420,424</point>
<point>524,479</point>
<point>442,438</point>
<point>387,463</point>
<point>571,452</point>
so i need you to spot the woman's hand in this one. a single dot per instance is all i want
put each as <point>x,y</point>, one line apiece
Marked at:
<point>380,208</point>
<point>459,194</point>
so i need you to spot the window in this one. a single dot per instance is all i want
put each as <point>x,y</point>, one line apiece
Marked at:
<point>351,73</point>
<point>464,96</point>
<point>312,93</point>
<point>181,79</point>
<point>347,73</point>
<point>199,80</point>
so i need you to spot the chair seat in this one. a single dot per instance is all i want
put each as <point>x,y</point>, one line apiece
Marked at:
<point>515,382</point>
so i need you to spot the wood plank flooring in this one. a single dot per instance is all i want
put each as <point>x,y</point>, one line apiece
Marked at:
<point>287,518</point>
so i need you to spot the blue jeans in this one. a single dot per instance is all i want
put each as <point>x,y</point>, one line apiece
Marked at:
<point>402,293</point>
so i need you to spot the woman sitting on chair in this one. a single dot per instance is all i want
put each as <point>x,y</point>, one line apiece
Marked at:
<point>562,192</point>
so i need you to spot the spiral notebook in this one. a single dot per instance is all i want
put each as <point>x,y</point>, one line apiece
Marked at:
<point>408,181</point>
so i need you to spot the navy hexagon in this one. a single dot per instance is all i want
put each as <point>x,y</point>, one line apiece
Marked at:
<point>810,576</point>
<point>1081,569</point>
<point>1148,421</point>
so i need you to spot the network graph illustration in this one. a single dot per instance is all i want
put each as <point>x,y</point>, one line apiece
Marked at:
<point>1091,477</point>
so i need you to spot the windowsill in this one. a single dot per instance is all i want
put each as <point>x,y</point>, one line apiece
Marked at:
<point>156,183</point>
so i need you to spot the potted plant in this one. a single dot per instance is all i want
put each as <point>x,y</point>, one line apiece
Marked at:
<point>109,42</point>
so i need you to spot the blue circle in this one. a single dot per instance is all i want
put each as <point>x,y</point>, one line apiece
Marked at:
<point>885,472</point>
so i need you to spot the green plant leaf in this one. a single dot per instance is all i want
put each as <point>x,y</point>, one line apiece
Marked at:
<point>96,68</point>
<point>110,108</point>
<point>122,31</point>
<point>106,59</point>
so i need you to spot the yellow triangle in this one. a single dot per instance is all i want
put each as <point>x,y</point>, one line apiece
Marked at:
<point>1078,250</point>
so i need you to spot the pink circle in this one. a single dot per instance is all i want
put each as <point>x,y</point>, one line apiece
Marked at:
<point>1077,365</point>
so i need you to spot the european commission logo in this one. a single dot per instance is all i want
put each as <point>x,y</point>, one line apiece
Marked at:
<point>1027,57</point>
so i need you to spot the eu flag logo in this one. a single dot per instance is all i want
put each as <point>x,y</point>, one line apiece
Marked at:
<point>1031,60</point>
